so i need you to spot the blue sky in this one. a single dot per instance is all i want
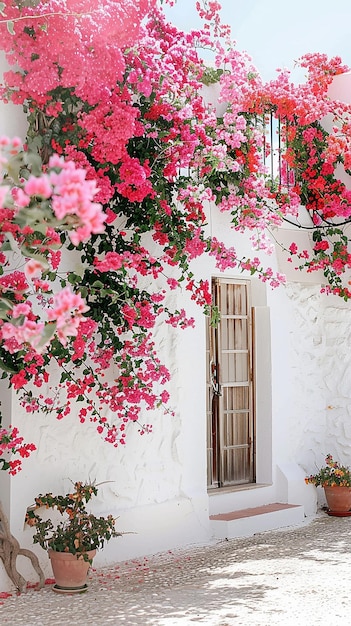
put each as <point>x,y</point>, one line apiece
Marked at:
<point>276,33</point>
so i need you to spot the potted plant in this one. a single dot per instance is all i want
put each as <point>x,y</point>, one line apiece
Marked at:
<point>71,542</point>
<point>336,481</point>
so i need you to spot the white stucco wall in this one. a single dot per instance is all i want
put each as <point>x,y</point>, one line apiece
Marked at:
<point>158,481</point>
<point>12,118</point>
<point>318,407</point>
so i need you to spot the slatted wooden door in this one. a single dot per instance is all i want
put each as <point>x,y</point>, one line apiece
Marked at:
<point>230,411</point>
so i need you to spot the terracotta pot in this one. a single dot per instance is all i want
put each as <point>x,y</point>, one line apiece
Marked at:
<point>69,571</point>
<point>338,500</point>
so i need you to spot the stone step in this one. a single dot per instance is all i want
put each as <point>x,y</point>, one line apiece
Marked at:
<point>248,522</point>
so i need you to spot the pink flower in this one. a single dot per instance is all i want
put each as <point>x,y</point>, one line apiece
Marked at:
<point>38,186</point>
<point>33,269</point>
<point>195,246</point>
<point>321,245</point>
<point>29,332</point>
<point>21,309</point>
<point>20,198</point>
<point>72,201</point>
<point>4,189</point>
<point>172,283</point>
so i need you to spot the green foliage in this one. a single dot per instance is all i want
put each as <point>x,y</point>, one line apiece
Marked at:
<point>211,75</point>
<point>332,475</point>
<point>79,531</point>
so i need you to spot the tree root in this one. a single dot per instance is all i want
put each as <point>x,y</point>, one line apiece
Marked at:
<point>9,551</point>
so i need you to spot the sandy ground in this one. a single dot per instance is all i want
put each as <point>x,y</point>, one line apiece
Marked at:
<point>297,576</point>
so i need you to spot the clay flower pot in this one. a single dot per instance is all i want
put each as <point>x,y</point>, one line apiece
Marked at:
<point>69,571</point>
<point>338,500</point>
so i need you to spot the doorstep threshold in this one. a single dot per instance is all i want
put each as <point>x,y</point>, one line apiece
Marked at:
<point>258,510</point>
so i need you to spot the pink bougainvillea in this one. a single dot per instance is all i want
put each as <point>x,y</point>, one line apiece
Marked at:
<point>131,156</point>
<point>11,443</point>
<point>78,40</point>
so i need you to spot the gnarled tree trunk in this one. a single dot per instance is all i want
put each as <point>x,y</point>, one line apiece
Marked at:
<point>9,551</point>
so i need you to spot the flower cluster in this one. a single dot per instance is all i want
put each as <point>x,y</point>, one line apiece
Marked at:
<point>312,158</point>
<point>119,117</point>
<point>76,41</point>
<point>332,475</point>
<point>33,211</point>
<point>12,443</point>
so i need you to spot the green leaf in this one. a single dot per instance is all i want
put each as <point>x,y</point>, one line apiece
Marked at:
<point>8,362</point>
<point>10,27</point>
<point>32,254</point>
<point>5,307</point>
<point>32,158</point>
<point>6,302</point>
<point>73,278</point>
<point>35,142</point>
<point>51,276</point>
<point>6,246</point>
<point>5,464</point>
<point>47,333</point>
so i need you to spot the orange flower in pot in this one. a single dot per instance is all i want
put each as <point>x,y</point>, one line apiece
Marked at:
<point>336,481</point>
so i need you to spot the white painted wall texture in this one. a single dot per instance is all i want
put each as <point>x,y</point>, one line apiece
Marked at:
<point>157,483</point>
<point>319,418</point>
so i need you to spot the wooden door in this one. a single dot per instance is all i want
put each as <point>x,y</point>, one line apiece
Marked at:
<point>230,414</point>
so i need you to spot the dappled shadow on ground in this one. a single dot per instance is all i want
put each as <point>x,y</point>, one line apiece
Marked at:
<point>195,604</point>
<point>258,580</point>
<point>218,584</point>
